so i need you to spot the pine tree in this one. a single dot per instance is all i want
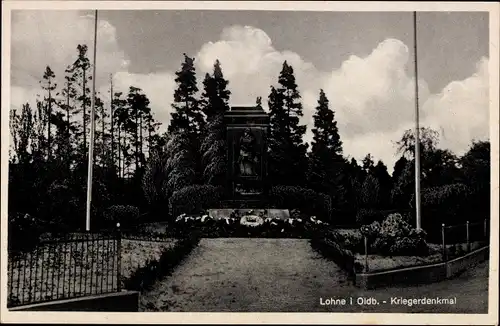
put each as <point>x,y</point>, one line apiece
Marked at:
<point>187,115</point>
<point>69,94</point>
<point>385,184</point>
<point>368,163</point>
<point>49,85</point>
<point>214,102</point>
<point>287,157</point>
<point>187,118</point>
<point>326,154</point>
<point>81,75</point>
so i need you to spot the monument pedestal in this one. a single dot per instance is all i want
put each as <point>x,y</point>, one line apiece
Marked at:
<point>247,130</point>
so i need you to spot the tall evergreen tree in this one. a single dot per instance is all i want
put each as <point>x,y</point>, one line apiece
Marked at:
<point>287,157</point>
<point>187,118</point>
<point>49,85</point>
<point>326,155</point>
<point>214,102</point>
<point>80,71</point>
<point>187,115</point>
<point>368,163</point>
<point>385,184</point>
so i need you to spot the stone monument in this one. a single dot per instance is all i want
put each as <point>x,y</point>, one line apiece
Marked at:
<point>247,130</point>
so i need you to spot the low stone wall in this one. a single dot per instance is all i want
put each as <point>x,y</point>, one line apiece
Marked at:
<point>456,266</point>
<point>125,301</point>
<point>421,274</point>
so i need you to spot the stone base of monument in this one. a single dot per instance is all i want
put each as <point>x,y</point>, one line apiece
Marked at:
<point>274,213</point>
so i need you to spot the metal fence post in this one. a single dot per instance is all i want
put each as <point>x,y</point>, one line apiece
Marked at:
<point>119,256</point>
<point>444,243</point>
<point>468,237</point>
<point>366,254</point>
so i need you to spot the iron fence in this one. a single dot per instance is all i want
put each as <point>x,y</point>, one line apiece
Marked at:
<point>69,266</point>
<point>460,239</point>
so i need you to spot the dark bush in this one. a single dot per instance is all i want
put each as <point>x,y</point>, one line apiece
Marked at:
<point>396,237</point>
<point>24,232</point>
<point>306,200</point>
<point>368,216</point>
<point>447,204</point>
<point>195,199</point>
<point>126,215</point>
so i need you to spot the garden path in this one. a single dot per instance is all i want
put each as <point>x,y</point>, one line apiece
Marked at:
<point>278,275</point>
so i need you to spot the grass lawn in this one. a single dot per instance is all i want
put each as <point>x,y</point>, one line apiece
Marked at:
<point>286,275</point>
<point>59,271</point>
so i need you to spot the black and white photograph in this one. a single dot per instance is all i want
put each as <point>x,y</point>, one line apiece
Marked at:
<point>280,157</point>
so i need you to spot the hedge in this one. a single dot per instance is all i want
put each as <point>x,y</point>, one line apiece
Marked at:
<point>195,199</point>
<point>126,215</point>
<point>145,277</point>
<point>306,200</point>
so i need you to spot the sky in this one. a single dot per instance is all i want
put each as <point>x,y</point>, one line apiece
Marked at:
<point>364,61</point>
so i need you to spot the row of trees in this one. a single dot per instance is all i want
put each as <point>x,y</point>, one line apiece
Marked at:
<point>50,143</point>
<point>195,151</point>
<point>135,164</point>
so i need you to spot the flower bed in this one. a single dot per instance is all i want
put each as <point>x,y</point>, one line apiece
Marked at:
<point>248,225</point>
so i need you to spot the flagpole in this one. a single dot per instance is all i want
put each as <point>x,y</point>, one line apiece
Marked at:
<point>92,131</point>
<point>417,131</point>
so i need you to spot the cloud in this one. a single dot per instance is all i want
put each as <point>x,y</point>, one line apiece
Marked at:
<point>461,110</point>
<point>373,96</point>
<point>41,38</point>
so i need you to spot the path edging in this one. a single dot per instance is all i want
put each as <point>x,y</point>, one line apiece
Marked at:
<point>422,274</point>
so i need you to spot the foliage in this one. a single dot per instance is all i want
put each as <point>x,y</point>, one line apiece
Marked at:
<point>331,247</point>
<point>287,150</point>
<point>195,199</point>
<point>395,237</point>
<point>126,215</point>
<point>306,200</point>
<point>447,204</point>
<point>24,231</point>
<point>370,192</point>
<point>187,116</point>
<point>326,154</point>
<point>155,180</point>
<point>368,216</point>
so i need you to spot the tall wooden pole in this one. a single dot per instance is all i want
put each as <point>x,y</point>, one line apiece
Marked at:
<point>92,131</point>
<point>417,131</point>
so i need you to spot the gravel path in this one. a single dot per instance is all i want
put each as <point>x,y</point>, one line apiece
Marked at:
<point>286,275</point>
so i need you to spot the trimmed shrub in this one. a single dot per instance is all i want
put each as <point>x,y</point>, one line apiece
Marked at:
<point>195,199</point>
<point>145,277</point>
<point>332,249</point>
<point>305,200</point>
<point>126,215</point>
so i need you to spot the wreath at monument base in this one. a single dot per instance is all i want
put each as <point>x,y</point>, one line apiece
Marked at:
<point>251,220</point>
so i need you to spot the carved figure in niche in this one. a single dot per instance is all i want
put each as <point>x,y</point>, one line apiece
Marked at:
<point>248,159</point>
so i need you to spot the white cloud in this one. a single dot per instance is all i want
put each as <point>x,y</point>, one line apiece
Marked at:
<point>373,96</point>
<point>461,110</point>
